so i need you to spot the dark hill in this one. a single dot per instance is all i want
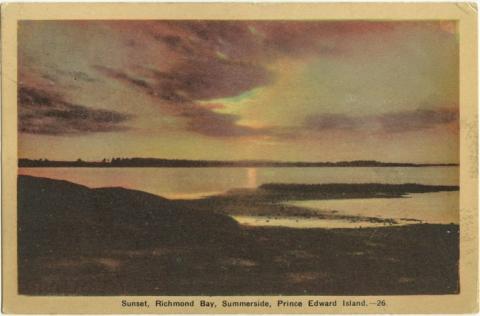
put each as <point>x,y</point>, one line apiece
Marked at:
<point>59,216</point>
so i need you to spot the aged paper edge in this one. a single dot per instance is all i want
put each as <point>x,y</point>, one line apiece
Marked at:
<point>464,13</point>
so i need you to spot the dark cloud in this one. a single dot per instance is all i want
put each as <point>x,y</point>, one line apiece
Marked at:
<point>236,40</point>
<point>176,43</point>
<point>215,78</point>
<point>219,59</point>
<point>261,41</point>
<point>180,63</point>
<point>396,122</point>
<point>416,120</point>
<point>211,60</point>
<point>321,122</point>
<point>209,123</point>
<point>119,75</point>
<point>195,80</point>
<point>42,112</point>
<point>177,101</point>
<point>161,89</point>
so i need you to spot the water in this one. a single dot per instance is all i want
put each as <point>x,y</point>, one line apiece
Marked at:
<point>196,182</point>
<point>191,183</point>
<point>304,223</point>
<point>432,208</point>
<point>425,207</point>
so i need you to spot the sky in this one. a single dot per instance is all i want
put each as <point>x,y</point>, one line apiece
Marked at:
<point>275,90</point>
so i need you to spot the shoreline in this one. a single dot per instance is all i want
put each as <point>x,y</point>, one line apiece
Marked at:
<point>74,240</point>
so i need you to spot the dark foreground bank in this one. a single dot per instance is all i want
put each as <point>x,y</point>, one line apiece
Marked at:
<point>74,240</point>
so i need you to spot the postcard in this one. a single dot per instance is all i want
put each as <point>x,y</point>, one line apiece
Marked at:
<point>239,158</point>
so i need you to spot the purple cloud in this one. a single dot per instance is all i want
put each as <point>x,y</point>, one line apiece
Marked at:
<point>396,122</point>
<point>42,112</point>
<point>415,120</point>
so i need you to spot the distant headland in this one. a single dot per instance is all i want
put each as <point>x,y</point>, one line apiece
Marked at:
<point>185,163</point>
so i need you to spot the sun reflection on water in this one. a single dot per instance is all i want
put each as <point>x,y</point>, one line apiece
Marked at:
<point>252,177</point>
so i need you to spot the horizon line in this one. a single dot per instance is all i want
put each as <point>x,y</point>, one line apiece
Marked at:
<point>126,159</point>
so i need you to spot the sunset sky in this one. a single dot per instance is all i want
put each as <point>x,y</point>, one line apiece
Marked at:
<point>302,91</point>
